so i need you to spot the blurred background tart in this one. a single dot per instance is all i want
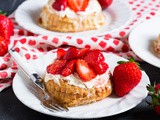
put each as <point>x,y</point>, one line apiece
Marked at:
<point>72,15</point>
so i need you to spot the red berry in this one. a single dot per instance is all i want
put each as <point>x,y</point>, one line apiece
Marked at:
<point>6,27</point>
<point>3,46</point>
<point>60,53</point>
<point>78,5</point>
<point>59,5</point>
<point>84,71</point>
<point>96,60</point>
<point>56,67</point>
<point>69,68</point>
<point>71,53</point>
<point>157,87</point>
<point>125,77</point>
<point>82,52</point>
<point>105,3</point>
<point>93,57</point>
<point>157,109</point>
<point>100,68</point>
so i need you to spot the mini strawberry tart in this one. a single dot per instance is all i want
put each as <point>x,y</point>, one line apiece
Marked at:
<point>156,45</point>
<point>78,77</point>
<point>71,15</point>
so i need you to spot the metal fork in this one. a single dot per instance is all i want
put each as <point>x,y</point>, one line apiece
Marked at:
<point>36,86</point>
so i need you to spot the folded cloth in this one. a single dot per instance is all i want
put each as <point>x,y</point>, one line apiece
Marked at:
<point>31,45</point>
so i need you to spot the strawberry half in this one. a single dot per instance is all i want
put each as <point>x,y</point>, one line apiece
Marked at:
<point>59,5</point>
<point>126,76</point>
<point>82,52</point>
<point>71,53</point>
<point>84,71</point>
<point>56,67</point>
<point>93,57</point>
<point>78,5</point>
<point>3,46</point>
<point>69,68</point>
<point>96,60</point>
<point>60,53</point>
<point>100,67</point>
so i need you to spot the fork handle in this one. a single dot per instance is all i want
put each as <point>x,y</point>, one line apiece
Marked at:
<point>26,68</point>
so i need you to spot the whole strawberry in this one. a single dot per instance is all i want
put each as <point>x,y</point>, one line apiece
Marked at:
<point>6,27</point>
<point>3,46</point>
<point>126,76</point>
<point>6,30</point>
<point>154,92</point>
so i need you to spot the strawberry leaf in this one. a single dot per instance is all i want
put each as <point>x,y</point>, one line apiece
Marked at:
<point>151,89</point>
<point>2,12</point>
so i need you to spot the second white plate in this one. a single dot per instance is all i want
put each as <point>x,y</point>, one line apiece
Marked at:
<point>27,14</point>
<point>141,40</point>
<point>111,105</point>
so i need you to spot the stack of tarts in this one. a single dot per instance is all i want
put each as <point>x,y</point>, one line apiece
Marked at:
<point>71,15</point>
<point>78,76</point>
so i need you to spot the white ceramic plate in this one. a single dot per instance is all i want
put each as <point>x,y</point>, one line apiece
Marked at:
<point>141,40</point>
<point>27,14</point>
<point>111,105</point>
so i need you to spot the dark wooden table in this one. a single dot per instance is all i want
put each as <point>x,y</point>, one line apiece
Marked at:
<point>12,109</point>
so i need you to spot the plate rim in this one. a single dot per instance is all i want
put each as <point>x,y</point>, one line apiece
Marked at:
<point>47,32</point>
<point>131,35</point>
<point>57,115</point>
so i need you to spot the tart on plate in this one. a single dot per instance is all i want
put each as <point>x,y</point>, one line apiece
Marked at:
<point>71,15</point>
<point>156,46</point>
<point>78,77</point>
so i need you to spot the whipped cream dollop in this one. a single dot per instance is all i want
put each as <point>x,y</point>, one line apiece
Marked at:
<point>93,7</point>
<point>73,79</point>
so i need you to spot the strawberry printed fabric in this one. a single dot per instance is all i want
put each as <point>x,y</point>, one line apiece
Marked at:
<point>31,46</point>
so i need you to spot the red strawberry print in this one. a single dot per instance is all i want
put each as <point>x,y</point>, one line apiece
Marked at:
<point>78,5</point>
<point>126,76</point>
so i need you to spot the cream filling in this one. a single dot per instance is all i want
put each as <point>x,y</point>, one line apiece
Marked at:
<point>93,7</point>
<point>73,79</point>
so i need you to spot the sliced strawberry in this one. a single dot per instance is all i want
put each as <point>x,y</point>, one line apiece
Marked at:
<point>100,68</point>
<point>3,46</point>
<point>93,57</point>
<point>84,71</point>
<point>69,68</point>
<point>71,53</point>
<point>82,52</point>
<point>59,5</point>
<point>78,5</point>
<point>60,53</point>
<point>56,67</point>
